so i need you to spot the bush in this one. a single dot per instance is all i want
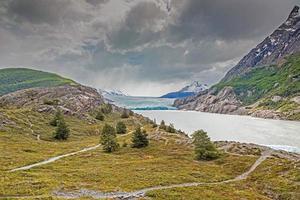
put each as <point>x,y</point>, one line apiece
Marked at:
<point>204,148</point>
<point>139,139</point>
<point>106,108</point>
<point>62,131</point>
<point>125,114</point>
<point>121,128</point>
<point>171,129</point>
<point>53,102</point>
<point>162,125</point>
<point>57,117</point>
<point>153,122</point>
<point>100,116</point>
<point>108,139</point>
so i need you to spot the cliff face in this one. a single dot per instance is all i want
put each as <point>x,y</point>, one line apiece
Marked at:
<point>225,101</point>
<point>282,42</point>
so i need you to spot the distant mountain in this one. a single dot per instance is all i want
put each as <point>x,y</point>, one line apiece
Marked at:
<point>14,79</point>
<point>265,83</point>
<point>112,93</point>
<point>187,91</point>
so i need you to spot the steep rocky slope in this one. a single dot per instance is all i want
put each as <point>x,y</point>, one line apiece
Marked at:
<point>263,84</point>
<point>282,42</point>
<point>225,101</point>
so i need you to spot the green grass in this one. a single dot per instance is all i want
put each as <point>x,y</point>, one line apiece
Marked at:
<point>13,79</point>
<point>261,82</point>
<point>128,169</point>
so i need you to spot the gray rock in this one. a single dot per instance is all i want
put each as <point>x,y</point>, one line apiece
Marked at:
<point>276,99</point>
<point>296,99</point>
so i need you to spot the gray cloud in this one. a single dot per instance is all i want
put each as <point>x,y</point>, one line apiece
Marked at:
<point>142,46</point>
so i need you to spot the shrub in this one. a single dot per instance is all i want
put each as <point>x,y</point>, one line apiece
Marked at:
<point>204,148</point>
<point>57,117</point>
<point>108,139</point>
<point>106,108</point>
<point>49,102</point>
<point>100,116</point>
<point>139,138</point>
<point>125,114</point>
<point>62,130</point>
<point>171,129</point>
<point>153,122</point>
<point>121,128</point>
<point>162,125</point>
<point>131,113</point>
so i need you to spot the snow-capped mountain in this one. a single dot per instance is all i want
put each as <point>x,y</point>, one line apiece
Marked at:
<point>112,93</point>
<point>195,87</point>
<point>189,90</point>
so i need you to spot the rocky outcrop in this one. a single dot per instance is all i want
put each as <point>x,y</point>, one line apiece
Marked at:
<point>225,102</point>
<point>72,100</point>
<point>282,42</point>
<point>296,99</point>
<point>267,114</point>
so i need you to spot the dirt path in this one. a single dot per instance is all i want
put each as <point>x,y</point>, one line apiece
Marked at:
<point>142,192</point>
<point>53,159</point>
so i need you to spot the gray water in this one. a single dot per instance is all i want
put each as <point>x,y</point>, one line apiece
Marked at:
<point>278,134</point>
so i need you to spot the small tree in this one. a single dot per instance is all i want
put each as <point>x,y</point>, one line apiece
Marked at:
<point>99,116</point>
<point>171,128</point>
<point>108,139</point>
<point>139,139</point>
<point>204,148</point>
<point>62,131</point>
<point>106,108</point>
<point>57,117</point>
<point>121,128</point>
<point>162,125</point>
<point>125,114</point>
<point>153,122</point>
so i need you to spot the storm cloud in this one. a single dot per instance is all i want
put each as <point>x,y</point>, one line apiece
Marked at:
<point>144,47</point>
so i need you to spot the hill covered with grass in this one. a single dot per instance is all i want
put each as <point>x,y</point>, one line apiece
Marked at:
<point>281,80</point>
<point>14,79</point>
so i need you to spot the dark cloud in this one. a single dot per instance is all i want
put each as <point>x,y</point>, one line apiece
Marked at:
<point>142,46</point>
<point>38,11</point>
<point>230,19</point>
<point>141,25</point>
<point>96,2</point>
<point>47,11</point>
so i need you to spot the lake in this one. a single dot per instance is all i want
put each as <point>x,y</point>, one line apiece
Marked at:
<point>278,134</point>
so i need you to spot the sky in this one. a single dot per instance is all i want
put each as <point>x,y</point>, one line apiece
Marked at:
<point>142,47</point>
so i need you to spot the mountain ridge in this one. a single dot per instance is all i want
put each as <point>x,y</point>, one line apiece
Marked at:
<point>263,84</point>
<point>284,41</point>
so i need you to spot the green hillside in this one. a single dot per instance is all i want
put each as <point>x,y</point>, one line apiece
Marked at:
<point>13,79</point>
<point>266,82</point>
